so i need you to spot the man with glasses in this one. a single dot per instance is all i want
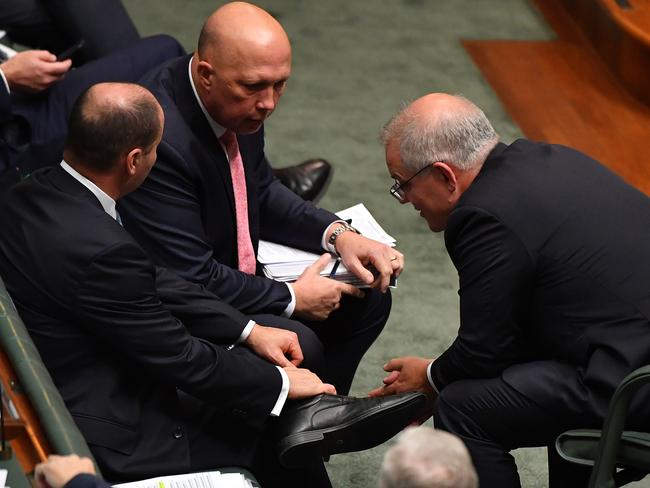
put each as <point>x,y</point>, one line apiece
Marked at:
<point>551,250</point>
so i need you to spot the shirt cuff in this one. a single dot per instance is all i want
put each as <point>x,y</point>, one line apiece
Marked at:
<point>288,312</point>
<point>284,393</point>
<point>4,79</point>
<point>246,332</point>
<point>323,241</point>
<point>433,385</point>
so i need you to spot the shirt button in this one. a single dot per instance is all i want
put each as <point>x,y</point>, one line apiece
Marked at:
<point>178,433</point>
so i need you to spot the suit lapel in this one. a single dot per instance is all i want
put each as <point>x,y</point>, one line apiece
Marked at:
<point>195,119</point>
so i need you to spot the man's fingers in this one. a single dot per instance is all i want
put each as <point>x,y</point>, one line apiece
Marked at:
<point>348,289</point>
<point>377,392</point>
<point>392,377</point>
<point>355,266</point>
<point>295,353</point>
<point>329,389</point>
<point>59,68</point>
<point>393,365</point>
<point>281,360</point>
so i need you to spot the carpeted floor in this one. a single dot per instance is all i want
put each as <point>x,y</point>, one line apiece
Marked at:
<point>354,64</point>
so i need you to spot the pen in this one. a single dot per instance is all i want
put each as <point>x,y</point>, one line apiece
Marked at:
<point>338,259</point>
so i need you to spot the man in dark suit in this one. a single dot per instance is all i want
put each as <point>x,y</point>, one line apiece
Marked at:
<point>56,25</point>
<point>551,250</point>
<point>153,395</point>
<point>37,93</point>
<point>192,216</point>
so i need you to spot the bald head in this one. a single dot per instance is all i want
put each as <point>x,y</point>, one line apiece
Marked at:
<point>239,31</point>
<point>241,66</point>
<point>441,127</point>
<point>110,119</point>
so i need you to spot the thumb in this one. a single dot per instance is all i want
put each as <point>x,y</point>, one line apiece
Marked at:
<point>318,266</point>
<point>45,56</point>
<point>282,361</point>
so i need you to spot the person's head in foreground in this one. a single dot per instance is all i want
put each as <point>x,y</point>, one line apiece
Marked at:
<point>426,458</point>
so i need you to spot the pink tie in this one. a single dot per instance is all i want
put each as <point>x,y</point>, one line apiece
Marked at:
<point>244,244</point>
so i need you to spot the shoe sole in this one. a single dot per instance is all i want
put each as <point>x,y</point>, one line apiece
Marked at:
<point>307,448</point>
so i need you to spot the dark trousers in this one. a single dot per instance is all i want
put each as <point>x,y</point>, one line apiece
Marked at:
<point>55,25</point>
<point>492,418</point>
<point>333,348</point>
<point>43,118</point>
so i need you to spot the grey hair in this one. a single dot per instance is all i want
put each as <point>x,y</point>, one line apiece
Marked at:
<point>426,458</point>
<point>461,137</point>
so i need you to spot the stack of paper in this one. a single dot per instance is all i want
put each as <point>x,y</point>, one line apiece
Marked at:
<point>283,263</point>
<point>207,479</point>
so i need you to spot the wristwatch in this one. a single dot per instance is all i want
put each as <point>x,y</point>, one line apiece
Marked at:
<point>343,227</point>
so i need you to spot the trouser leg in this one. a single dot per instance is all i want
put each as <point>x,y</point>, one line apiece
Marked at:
<point>348,333</point>
<point>492,418</point>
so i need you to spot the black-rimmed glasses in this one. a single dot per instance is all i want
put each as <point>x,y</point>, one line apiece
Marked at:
<point>397,190</point>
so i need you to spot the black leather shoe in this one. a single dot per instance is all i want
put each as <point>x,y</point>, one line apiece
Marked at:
<point>311,429</point>
<point>308,180</point>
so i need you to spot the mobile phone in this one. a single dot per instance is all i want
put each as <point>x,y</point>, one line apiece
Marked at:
<point>67,54</point>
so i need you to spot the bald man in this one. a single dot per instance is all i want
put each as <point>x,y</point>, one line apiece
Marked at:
<point>551,250</point>
<point>212,196</point>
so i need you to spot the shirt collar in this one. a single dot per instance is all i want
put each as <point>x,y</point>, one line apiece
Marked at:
<point>108,204</point>
<point>216,128</point>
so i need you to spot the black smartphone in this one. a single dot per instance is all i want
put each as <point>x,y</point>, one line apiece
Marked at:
<point>67,54</point>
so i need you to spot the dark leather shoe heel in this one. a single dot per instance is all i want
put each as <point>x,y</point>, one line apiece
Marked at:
<point>308,450</point>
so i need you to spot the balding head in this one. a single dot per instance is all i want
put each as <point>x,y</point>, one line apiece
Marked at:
<point>241,65</point>
<point>441,127</point>
<point>109,120</point>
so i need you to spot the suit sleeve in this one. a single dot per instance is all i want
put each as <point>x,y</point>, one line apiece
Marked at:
<point>117,302</point>
<point>204,314</point>
<point>285,217</point>
<point>495,273</point>
<point>166,218</point>
<point>85,480</point>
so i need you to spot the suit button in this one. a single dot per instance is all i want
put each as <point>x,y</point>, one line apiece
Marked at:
<point>242,414</point>
<point>178,432</point>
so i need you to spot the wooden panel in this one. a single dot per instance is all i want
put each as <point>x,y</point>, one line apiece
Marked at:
<point>561,91</point>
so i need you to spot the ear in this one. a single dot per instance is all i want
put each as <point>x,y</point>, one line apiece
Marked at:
<point>133,160</point>
<point>448,174</point>
<point>205,71</point>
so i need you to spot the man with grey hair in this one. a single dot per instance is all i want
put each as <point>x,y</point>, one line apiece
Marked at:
<point>426,458</point>
<point>551,250</point>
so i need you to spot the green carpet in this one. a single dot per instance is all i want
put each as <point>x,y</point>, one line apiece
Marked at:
<point>354,64</point>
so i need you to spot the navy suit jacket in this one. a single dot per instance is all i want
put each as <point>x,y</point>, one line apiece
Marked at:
<point>553,255</point>
<point>184,213</point>
<point>107,324</point>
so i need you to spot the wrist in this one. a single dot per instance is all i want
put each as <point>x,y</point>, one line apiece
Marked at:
<point>337,232</point>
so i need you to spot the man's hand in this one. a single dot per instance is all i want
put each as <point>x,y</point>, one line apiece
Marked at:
<point>305,384</point>
<point>34,70</point>
<point>317,296</point>
<point>358,252</point>
<point>278,346</point>
<point>58,470</point>
<point>407,373</point>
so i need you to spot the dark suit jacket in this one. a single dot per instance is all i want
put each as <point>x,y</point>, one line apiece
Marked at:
<point>553,255</point>
<point>184,213</point>
<point>33,127</point>
<point>106,323</point>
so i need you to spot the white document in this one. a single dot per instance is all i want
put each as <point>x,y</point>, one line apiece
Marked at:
<point>207,479</point>
<point>286,264</point>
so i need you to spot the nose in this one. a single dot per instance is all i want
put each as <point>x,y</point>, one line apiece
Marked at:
<point>267,99</point>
